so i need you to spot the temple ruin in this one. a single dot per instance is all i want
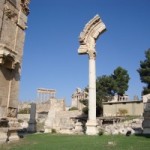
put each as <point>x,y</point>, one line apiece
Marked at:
<point>13,23</point>
<point>77,97</point>
<point>43,95</point>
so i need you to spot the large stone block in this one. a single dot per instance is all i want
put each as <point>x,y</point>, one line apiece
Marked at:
<point>2,4</point>
<point>3,135</point>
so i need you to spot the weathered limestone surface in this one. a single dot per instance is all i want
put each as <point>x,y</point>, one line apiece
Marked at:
<point>13,19</point>
<point>3,135</point>
<point>146,114</point>
<point>77,96</point>
<point>92,30</point>
<point>55,106</point>
<point>133,126</point>
<point>134,108</point>
<point>32,121</point>
<point>60,119</point>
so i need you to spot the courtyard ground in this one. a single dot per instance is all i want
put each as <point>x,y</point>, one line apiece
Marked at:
<point>79,142</point>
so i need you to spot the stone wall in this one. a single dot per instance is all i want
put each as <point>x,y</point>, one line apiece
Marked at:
<point>134,108</point>
<point>133,126</point>
<point>60,119</point>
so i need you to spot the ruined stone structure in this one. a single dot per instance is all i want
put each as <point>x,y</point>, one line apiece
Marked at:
<point>13,19</point>
<point>77,96</point>
<point>87,39</point>
<point>55,106</point>
<point>44,95</point>
<point>133,108</point>
<point>32,121</point>
<point>61,120</point>
<point>121,98</point>
<point>146,114</point>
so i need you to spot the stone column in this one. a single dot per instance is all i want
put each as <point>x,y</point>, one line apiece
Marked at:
<point>91,123</point>
<point>32,121</point>
<point>87,40</point>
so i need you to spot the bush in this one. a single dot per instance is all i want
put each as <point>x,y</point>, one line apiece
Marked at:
<point>122,112</point>
<point>101,132</point>
<point>24,111</point>
<point>85,110</point>
<point>53,131</point>
<point>73,108</point>
<point>20,121</point>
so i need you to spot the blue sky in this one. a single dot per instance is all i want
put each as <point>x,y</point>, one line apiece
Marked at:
<point>50,53</point>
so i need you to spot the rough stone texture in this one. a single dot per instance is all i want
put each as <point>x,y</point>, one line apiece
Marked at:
<point>51,121</point>
<point>13,19</point>
<point>43,94</point>
<point>3,135</point>
<point>23,119</point>
<point>77,96</point>
<point>60,119</point>
<point>87,39</point>
<point>32,121</point>
<point>146,114</point>
<point>11,46</point>
<point>134,126</point>
<point>134,108</point>
<point>64,122</point>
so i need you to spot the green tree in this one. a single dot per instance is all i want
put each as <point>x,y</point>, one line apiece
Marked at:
<point>104,92</point>
<point>121,79</point>
<point>104,88</point>
<point>107,86</point>
<point>144,72</point>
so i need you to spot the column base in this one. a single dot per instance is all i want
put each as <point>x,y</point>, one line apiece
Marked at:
<point>146,131</point>
<point>3,135</point>
<point>91,127</point>
<point>13,134</point>
<point>32,127</point>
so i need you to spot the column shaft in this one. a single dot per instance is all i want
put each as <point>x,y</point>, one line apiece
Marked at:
<point>92,89</point>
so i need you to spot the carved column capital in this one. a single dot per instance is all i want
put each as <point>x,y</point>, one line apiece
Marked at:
<point>92,55</point>
<point>25,6</point>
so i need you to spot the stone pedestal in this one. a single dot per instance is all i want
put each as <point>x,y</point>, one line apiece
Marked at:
<point>91,127</point>
<point>13,128</point>
<point>32,121</point>
<point>78,128</point>
<point>32,126</point>
<point>13,134</point>
<point>9,129</point>
<point>3,135</point>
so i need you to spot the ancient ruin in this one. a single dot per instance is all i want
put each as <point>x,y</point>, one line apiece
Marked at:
<point>13,23</point>
<point>61,120</point>
<point>133,107</point>
<point>92,30</point>
<point>77,96</point>
<point>44,95</point>
<point>32,121</point>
